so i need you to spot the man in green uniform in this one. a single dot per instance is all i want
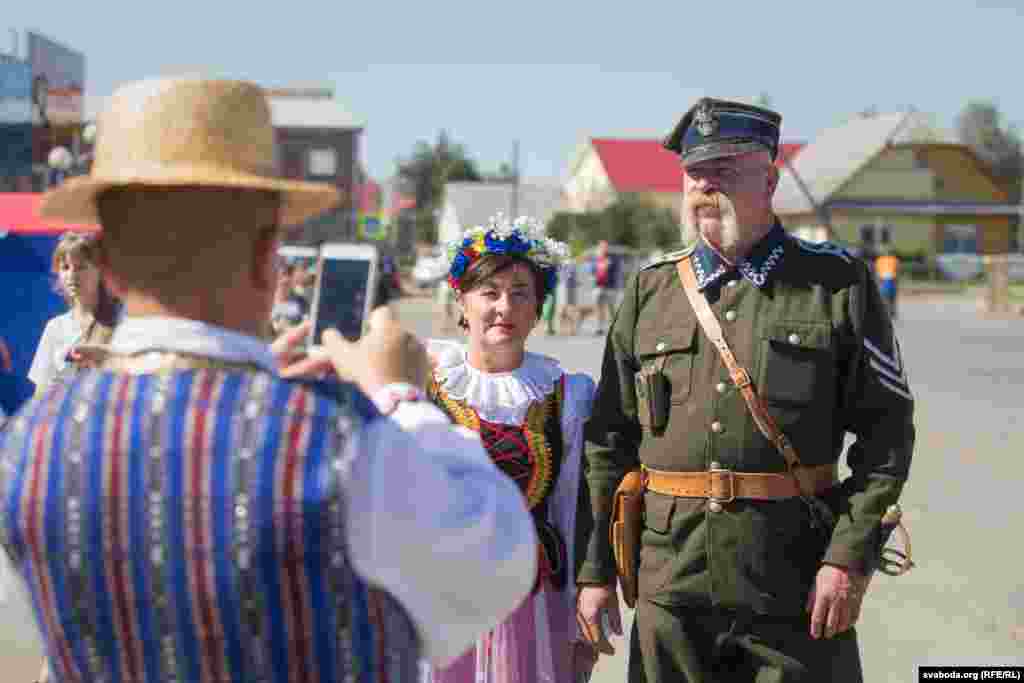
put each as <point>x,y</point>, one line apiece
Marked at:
<point>747,580</point>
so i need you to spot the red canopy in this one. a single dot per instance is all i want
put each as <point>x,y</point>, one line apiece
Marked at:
<point>19,214</point>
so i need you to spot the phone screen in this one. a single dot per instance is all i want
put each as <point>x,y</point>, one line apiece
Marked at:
<point>342,304</point>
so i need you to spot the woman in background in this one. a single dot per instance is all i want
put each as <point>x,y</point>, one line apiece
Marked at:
<point>92,315</point>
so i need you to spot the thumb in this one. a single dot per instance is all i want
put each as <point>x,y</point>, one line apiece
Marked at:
<point>382,317</point>
<point>332,338</point>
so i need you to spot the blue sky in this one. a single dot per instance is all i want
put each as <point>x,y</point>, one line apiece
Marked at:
<point>550,73</point>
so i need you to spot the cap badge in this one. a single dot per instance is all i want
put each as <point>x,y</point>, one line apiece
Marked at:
<point>706,120</point>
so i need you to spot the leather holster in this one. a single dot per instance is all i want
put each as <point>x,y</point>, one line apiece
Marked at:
<point>626,525</point>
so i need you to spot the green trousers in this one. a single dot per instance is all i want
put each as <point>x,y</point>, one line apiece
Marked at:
<point>686,645</point>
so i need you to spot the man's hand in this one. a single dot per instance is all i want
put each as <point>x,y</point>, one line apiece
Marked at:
<point>591,602</point>
<point>289,349</point>
<point>387,354</point>
<point>835,600</point>
<point>584,658</point>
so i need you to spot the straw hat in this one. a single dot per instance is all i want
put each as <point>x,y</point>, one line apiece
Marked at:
<point>184,132</point>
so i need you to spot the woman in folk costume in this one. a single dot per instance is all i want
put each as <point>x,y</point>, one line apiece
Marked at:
<point>529,413</point>
<point>92,315</point>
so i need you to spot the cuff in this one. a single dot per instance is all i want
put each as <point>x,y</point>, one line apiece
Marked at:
<point>847,559</point>
<point>595,575</point>
<point>391,396</point>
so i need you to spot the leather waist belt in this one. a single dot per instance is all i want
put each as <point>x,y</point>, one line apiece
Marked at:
<point>726,485</point>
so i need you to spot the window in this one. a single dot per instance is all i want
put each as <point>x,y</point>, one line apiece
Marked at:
<point>886,234</point>
<point>323,162</point>
<point>867,235</point>
<point>960,239</point>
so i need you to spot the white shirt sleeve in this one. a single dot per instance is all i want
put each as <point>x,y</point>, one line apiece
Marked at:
<point>43,369</point>
<point>433,521</point>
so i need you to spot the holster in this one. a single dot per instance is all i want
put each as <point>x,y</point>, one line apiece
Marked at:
<point>626,525</point>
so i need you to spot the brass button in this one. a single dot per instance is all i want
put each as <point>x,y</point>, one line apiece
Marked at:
<point>714,506</point>
<point>721,387</point>
<point>715,465</point>
<point>794,338</point>
<point>730,315</point>
<point>732,283</point>
<point>716,427</point>
<point>660,346</point>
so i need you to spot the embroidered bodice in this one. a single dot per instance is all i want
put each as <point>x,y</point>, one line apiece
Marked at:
<point>518,416</point>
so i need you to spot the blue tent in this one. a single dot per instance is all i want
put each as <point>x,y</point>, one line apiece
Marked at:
<point>27,295</point>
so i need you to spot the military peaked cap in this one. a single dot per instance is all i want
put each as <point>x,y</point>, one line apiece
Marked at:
<point>719,128</point>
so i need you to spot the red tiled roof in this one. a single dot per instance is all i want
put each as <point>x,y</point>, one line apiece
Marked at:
<point>19,213</point>
<point>639,165</point>
<point>788,150</point>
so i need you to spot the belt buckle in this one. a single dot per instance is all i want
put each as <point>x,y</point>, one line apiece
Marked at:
<point>731,478</point>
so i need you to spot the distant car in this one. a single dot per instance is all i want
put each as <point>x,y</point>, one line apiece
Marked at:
<point>430,269</point>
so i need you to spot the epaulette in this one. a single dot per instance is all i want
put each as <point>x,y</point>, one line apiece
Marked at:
<point>671,257</point>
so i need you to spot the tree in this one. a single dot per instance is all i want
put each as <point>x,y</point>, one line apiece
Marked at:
<point>981,128</point>
<point>630,221</point>
<point>427,170</point>
<point>504,174</point>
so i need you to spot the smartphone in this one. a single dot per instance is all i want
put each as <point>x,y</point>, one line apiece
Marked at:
<point>343,296</point>
<point>303,255</point>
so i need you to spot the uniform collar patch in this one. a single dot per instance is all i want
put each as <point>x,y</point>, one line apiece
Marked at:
<point>766,255</point>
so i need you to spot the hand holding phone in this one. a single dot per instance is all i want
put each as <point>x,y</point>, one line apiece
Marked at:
<point>346,283</point>
<point>387,354</point>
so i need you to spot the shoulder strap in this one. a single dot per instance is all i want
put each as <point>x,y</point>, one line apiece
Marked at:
<point>740,377</point>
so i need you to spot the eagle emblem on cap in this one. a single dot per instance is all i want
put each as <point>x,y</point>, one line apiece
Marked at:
<point>706,119</point>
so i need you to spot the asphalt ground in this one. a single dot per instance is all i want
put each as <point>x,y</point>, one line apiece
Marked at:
<point>964,504</point>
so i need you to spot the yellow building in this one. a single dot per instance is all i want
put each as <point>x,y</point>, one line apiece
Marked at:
<point>895,180</point>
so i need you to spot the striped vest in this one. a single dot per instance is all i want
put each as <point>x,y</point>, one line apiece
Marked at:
<point>190,526</point>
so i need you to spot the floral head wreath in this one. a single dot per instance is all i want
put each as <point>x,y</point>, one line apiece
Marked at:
<point>523,237</point>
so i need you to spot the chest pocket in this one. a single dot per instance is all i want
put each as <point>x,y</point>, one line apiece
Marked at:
<point>797,363</point>
<point>676,348</point>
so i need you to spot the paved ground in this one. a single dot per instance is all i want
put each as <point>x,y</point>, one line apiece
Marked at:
<point>964,604</point>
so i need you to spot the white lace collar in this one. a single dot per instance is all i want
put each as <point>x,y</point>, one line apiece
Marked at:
<point>497,396</point>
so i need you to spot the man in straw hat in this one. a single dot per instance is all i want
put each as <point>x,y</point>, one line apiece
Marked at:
<point>185,512</point>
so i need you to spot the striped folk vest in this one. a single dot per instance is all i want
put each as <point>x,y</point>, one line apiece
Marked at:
<point>190,526</point>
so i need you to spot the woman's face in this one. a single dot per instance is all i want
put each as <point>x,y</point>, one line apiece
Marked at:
<point>80,279</point>
<point>502,310</point>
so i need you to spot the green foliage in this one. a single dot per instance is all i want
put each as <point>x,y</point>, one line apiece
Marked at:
<point>630,222</point>
<point>425,226</point>
<point>426,171</point>
<point>981,127</point>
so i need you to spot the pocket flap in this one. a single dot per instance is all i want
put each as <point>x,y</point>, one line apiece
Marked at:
<point>805,335</point>
<point>658,511</point>
<point>655,341</point>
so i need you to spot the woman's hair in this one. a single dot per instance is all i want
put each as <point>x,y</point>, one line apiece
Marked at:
<point>489,265</point>
<point>86,247</point>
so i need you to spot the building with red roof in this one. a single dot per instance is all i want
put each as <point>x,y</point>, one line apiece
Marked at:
<point>603,169</point>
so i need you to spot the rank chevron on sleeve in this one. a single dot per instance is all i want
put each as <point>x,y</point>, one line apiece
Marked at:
<point>891,372</point>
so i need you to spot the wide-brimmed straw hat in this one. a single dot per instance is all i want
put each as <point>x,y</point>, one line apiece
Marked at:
<point>186,131</point>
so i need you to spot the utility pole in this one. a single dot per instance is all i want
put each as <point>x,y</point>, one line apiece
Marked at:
<point>514,209</point>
